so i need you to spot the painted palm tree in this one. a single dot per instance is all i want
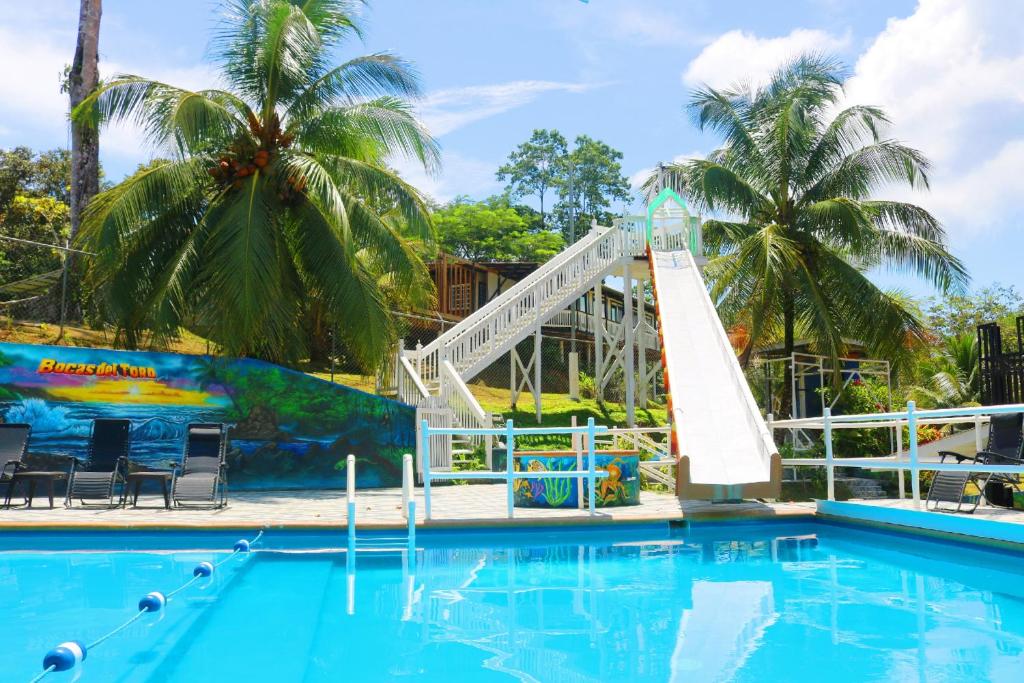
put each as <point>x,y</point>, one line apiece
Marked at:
<point>277,199</point>
<point>795,179</point>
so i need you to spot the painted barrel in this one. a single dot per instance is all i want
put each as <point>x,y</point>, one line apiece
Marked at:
<point>621,487</point>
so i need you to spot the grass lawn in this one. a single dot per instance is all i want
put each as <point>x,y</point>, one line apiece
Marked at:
<point>557,409</point>
<point>22,332</point>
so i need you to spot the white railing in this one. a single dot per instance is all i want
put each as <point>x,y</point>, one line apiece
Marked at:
<point>448,362</point>
<point>440,452</point>
<point>591,474</point>
<point>410,387</point>
<point>910,418</point>
<point>468,411</point>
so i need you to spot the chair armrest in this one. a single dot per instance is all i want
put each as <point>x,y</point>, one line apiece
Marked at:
<point>173,464</point>
<point>989,457</point>
<point>960,457</point>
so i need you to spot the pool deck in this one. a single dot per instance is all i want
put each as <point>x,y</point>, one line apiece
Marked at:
<point>987,525</point>
<point>484,505</point>
<point>475,505</point>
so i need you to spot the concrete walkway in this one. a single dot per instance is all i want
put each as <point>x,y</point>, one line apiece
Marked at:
<point>483,504</point>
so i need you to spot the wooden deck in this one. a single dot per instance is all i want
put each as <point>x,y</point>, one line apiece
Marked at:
<point>474,505</point>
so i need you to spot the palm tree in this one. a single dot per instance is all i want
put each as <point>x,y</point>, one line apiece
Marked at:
<point>277,198</point>
<point>951,377</point>
<point>796,178</point>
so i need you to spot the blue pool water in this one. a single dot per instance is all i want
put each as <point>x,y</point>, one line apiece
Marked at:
<point>769,602</point>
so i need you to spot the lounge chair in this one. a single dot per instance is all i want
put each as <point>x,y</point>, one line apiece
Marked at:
<point>13,445</point>
<point>92,482</point>
<point>201,480</point>
<point>1004,447</point>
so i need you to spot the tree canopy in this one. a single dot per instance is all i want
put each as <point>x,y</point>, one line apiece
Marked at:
<point>534,167</point>
<point>591,180</point>
<point>494,230</point>
<point>34,196</point>
<point>586,178</point>
<point>276,211</point>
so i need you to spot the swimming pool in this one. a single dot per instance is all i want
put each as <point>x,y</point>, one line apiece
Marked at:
<point>738,602</point>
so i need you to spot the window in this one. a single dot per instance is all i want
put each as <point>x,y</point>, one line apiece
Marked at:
<point>459,297</point>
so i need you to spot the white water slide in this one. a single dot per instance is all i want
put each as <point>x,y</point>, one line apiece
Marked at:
<point>717,424</point>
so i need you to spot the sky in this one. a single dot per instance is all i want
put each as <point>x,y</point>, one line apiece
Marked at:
<point>948,72</point>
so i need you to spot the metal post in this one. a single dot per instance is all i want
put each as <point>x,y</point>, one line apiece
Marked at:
<point>979,444</point>
<point>425,464</point>
<point>489,443</point>
<point>627,350</point>
<point>512,393</point>
<point>350,498</point>
<point>591,466</point>
<point>829,466</point>
<point>578,449</point>
<point>406,481</point>
<point>598,318</point>
<point>641,344</point>
<point>899,458</point>
<point>510,449</point>
<point>536,372</point>
<point>915,478</point>
<point>64,290</point>
<point>411,536</point>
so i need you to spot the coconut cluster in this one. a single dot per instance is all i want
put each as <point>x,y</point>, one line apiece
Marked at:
<point>246,157</point>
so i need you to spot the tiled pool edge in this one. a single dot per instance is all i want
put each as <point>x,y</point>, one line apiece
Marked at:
<point>959,527</point>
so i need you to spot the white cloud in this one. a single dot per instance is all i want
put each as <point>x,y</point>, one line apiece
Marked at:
<point>30,97</point>
<point>738,56</point>
<point>949,76</point>
<point>444,111</point>
<point>460,175</point>
<point>32,105</point>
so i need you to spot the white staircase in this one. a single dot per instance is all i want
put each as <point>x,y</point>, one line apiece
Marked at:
<point>441,368</point>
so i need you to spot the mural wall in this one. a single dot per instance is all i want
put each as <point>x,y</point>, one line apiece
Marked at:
<point>290,430</point>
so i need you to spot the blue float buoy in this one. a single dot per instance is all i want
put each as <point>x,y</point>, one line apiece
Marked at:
<point>152,602</point>
<point>65,656</point>
<point>203,569</point>
<point>242,546</point>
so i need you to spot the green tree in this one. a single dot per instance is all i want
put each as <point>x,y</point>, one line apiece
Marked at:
<point>493,230</point>
<point>534,167</point>
<point>277,199</point>
<point>590,179</point>
<point>797,183</point>
<point>34,195</point>
<point>957,315</point>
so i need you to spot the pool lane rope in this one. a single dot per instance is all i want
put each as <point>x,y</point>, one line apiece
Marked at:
<point>70,654</point>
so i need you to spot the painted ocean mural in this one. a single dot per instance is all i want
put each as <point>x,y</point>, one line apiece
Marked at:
<point>288,429</point>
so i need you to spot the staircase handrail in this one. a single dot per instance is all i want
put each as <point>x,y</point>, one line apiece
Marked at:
<point>410,374</point>
<point>532,294</point>
<point>465,394</point>
<point>514,292</point>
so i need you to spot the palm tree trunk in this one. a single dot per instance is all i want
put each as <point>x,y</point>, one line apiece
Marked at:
<point>85,145</point>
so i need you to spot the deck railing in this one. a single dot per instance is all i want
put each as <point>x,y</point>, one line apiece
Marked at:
<point>910,418</point>
<point>510,432</point>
